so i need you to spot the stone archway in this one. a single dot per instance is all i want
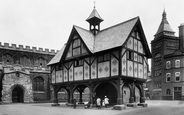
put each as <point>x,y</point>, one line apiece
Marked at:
<point>109,90</point>
<point>17,94</point>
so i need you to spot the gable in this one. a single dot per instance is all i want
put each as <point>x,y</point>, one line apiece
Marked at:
<point>76,47</point>
<point>134,42</point>
<point>137,41</point>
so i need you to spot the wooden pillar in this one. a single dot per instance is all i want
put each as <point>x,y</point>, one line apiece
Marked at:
<point>120,93</point>
<point>80,97</point>
<point>71,94</point>
<point>132,93</point>
<point>92,94</point>
<point>142,99</point>
<point>55,96</point>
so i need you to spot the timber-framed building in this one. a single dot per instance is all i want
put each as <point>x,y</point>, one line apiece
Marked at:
<point>112,62</point>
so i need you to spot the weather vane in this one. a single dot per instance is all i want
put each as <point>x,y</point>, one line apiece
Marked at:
<point>94,3</point>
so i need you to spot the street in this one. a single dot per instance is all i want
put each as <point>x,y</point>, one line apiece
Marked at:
<point>154,108</point>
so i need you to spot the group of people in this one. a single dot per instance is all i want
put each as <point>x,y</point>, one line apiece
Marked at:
<point>105,102</point>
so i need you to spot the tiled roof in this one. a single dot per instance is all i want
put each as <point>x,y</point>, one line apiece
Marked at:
<point>165,26</point>
<point>94,14</point>
<point>87,37</point>
<point>114,36</point>
<point>57,57</point>
<point>109,38</point>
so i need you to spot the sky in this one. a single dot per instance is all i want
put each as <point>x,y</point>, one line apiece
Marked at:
<point>48,23</point>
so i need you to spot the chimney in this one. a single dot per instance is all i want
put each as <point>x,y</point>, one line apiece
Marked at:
<point>181,37</point>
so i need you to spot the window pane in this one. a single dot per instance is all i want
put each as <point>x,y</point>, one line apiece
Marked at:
<point>76,43</point>
<point>76,51</point>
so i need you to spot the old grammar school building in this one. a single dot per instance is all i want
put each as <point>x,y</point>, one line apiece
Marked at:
<point>112,62</point>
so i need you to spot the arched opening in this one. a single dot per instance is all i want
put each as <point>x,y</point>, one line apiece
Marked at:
<point>17,95</point>
<point>63,95</point>
<point>81,93</point>
<point>126,94</point>
<point>107,89</point>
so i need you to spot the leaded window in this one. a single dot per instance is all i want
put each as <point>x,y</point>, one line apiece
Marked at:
<point>38,84</point>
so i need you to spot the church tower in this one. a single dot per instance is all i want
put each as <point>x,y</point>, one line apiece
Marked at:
<point>164,43</point>
<point>94,21</point>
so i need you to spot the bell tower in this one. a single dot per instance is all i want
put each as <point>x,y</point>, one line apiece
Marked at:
<point>94,21</point>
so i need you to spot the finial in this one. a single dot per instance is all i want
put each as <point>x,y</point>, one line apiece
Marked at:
<point>94,3</point>
<point>164,14</point>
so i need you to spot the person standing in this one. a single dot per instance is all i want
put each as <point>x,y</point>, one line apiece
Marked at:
<point>106,101</point>
<point>74,103</point>
<point>98,102</point>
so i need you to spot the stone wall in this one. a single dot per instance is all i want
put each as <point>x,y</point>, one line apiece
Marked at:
<point>11,80</point>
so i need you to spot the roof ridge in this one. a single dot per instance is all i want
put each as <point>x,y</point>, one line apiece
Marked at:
<point>137,17</point>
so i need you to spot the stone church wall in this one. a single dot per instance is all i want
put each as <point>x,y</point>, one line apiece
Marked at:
<point>11,80</point>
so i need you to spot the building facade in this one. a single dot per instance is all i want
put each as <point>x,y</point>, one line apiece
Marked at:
<point>24,76</point>
<point>111,62</point>
<point>167,62</point>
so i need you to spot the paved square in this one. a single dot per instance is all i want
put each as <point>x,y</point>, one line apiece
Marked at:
<point>154,108</point>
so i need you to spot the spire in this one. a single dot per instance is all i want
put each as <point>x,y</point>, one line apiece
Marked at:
<point>164,28</point>
<point>94,21</point>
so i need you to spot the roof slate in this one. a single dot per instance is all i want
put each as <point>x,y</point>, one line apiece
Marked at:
<point>94,14</point>
<point>87,37</point>
<point>164,25</point>
<point>58,56</point>
<point>114,36</point>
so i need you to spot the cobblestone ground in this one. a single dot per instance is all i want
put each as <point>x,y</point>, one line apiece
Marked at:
<point>154,108</point>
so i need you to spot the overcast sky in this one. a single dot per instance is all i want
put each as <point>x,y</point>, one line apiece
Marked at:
<point>48,23</point>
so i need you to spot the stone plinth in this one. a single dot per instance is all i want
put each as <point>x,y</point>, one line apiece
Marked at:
<point>143,104</point>
<point>119,107</point>
<point>134,105</point>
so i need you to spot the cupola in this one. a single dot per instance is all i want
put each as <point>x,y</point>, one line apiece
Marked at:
<point>94,21</point>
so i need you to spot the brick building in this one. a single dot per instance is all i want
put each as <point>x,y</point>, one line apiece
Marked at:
<point>167,63</point>
<point>24,74</point>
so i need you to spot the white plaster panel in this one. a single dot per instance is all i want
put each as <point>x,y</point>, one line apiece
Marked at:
<point>130,43</point>
<point>145,70</point>
<point>53,76</point>
<point>103,69</point>
<point>59,76</point>
<point>71,73</point>
<point>124,65</point>
<point>130,68</point>
<point>65,75</point>
<point>140,47</point>
<point>114,66</point>
<point>78,73</point>
<point>86,71</point>
<point>140,71</point>
<point>135,70</point>
<point>94,70</point>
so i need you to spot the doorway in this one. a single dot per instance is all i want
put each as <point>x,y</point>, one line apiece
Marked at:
<point>17,95</point>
